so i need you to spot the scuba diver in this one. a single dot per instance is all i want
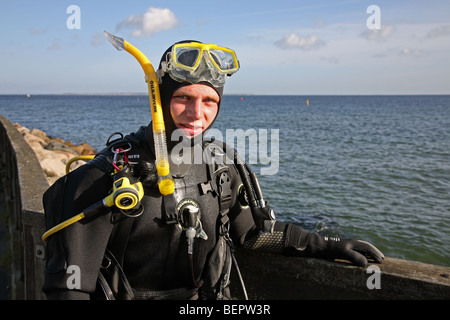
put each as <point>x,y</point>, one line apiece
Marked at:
<point>177,245</point>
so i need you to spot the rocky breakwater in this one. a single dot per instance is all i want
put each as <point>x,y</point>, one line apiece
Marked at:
<point>54,153</point>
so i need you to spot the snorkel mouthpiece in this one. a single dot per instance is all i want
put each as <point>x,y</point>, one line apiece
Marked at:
<point>117,42</point>
<point>165,182</point>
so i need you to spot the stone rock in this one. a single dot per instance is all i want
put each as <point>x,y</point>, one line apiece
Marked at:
<point>54,153</point>
<point>58,140</point>
<point>43,154</point>
<point>34,141</point>
<point>84,149</point>
<point>40,134</point>
<point>58,146</point>
<point>22,130</point>
<point>53,167</point>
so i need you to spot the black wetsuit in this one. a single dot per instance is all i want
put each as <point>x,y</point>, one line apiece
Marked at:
<point>153,249</point>
<point>156,253</point>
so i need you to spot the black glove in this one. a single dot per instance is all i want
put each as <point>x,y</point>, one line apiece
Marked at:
<point>355,251</point>
<point>309,244</point>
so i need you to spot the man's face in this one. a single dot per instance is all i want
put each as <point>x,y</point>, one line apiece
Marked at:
<point>194,108</point>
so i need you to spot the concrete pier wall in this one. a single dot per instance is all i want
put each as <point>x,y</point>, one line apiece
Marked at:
<point>23,183</point>
<point>270,277</point>
<point>266,276</point>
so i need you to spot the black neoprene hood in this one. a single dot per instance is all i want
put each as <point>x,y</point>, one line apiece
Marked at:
<point>168,86</point>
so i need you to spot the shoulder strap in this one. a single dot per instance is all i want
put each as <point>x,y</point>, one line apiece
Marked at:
<point>219,181</point>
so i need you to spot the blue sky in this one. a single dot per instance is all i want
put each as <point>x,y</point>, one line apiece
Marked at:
<point>284,47</point>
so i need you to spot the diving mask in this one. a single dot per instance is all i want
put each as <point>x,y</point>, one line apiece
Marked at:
<point>195,62</point>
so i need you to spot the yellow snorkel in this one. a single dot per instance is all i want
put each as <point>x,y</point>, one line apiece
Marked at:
<point>165,182</point>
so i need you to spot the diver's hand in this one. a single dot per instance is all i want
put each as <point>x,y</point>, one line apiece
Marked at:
<point>355,251</point>
<point>308,244</point>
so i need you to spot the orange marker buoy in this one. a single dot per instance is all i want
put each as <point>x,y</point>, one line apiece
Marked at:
<point>307,102</point>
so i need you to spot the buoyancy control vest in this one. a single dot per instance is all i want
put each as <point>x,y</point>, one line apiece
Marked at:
<point>112,281</point>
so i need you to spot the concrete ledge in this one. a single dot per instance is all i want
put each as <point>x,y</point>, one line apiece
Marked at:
<point>273,277</point>
<point>31,178</point>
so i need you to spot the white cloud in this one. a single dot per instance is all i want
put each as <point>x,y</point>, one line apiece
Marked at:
<point>411,52</point>
<point>294,41</point>
<point>152,21</point>
<point>36,31</point>
<point>379,34</point>
<point>440,31</point>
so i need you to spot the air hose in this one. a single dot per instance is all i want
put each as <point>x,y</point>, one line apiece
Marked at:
<point>264,216</point>
<point>69,163</point>
<point>165,182</point>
